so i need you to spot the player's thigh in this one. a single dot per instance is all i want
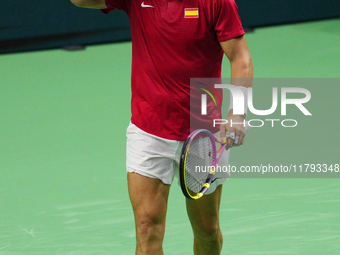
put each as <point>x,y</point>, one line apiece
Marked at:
<point>204,212</point>
<point>149,198</point>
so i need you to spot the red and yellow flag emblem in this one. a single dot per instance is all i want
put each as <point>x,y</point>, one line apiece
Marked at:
<point>191,13</point>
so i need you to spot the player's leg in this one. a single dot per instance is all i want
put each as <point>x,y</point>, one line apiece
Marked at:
<point>204,218</point>
<point>149,202</point>
<point>150,172</point>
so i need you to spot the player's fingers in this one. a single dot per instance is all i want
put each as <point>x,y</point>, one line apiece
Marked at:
<point>243,139</point>
<point>239,138</point>
<point>236,141</point>
<point>230,143</point>
<point>222,132</point>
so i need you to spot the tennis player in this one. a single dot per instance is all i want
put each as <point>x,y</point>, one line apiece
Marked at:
<point>173,41</point>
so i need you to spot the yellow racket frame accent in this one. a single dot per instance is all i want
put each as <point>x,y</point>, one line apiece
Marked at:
<point>198,195</point>
<point>212,170</point>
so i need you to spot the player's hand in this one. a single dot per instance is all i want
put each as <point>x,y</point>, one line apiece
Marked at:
<point>238,129</point>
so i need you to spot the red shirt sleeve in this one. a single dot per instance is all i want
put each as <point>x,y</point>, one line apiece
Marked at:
<point>116,4</point>
<point>228,22</point>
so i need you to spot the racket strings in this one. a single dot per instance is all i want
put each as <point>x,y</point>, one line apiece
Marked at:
<point>198,162</point>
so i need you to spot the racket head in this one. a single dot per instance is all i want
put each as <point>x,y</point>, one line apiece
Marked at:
<point>197,163</point>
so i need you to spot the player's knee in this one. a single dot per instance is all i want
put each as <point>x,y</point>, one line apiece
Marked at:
<point>145,227</point>
<point>206,231</point>
<point>150,225</point>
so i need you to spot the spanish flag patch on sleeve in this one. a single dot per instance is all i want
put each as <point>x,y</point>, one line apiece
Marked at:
<point>191,13</point>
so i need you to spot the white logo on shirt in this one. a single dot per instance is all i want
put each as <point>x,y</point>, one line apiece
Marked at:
<point>145,5</point>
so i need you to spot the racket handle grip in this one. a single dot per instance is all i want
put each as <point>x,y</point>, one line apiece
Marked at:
<point>228,135</point>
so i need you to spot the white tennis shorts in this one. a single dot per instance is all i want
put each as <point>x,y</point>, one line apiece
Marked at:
<point>158,158</point>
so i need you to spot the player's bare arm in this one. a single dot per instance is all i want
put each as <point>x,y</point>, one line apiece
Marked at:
<point>241,65</point>
<point>94,4</point>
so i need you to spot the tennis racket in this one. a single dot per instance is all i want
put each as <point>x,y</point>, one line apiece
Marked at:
<point>198,161</point>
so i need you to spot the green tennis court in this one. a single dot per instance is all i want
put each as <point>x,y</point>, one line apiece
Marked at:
<point>63,187</point>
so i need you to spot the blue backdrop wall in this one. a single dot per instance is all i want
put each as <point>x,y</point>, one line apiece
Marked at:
<point>34,24</point>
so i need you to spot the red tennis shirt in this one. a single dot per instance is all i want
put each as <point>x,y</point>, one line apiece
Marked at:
<point>173,41</point>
